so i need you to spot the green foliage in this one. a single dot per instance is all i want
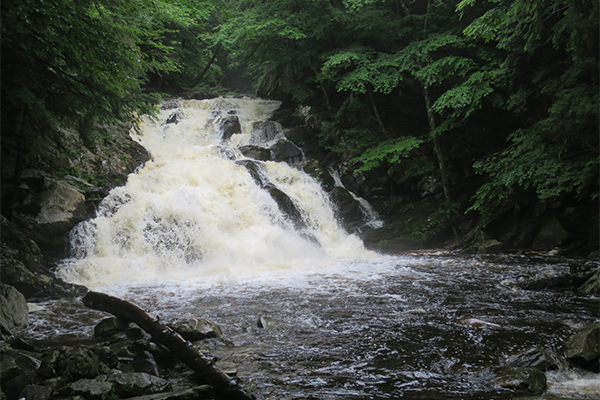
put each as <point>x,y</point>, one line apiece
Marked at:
<point>392,151</point>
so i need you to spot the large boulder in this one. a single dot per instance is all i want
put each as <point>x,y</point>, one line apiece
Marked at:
<point>193,329</point>
<point>256,152</point>
<point>551,234</point>
<point>230,126</point>
<point>582,348</point>
<point>347,208</point>
<point>62,206</point>
<point>286,151</point>
<point>13,311</point>
<point>521,380</point>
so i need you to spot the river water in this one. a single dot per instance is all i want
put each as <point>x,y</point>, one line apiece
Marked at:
<point>192,234</point>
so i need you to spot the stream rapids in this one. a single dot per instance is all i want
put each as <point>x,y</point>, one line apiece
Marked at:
<point>193,234</point>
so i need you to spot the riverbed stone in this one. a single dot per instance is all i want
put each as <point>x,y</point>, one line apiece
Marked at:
<point>138,383</point>
<point>110,326</point>
<point>50,364</point>
<point>536,357</point>
<point>36,392</point>
<point>145,362</point>
<point>17,370</point>
<point>89,389</point>
<point>286,151</point>
<point>230,126</point>
<point>62,206</point>
<point>521,380</point>
<point>13,311</point>
<point>491,246</point>
<point>256,152</point>
<point>551,235</point>
<point>592,285</point>
<point>583,348</point>
<point>80,363</point>
<point>193,329</point>
<point>196,393</point>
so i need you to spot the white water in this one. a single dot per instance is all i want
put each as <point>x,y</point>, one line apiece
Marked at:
<point>193,212</point>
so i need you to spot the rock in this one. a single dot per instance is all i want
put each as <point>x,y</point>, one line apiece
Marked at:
<point>80,363</point>
<point>193,329</point>
<point>592,285</point>
<point>286,151</point>
<point>110,326</point>
<point>230,126</point>
<point>17,370</point>
<point>36,392</point>
<point>490,247</point>
<point>89,389</point>
<point>62,206</point>
<point>347,209</point>
<point>107,356</point>
<point>264,132</point>
<point>582,348</point>
<point>50,364</point>
<point>137,383</point>
<point>536,358</point>
<point>256,152</point>
<point>551,235</point>
<point>13,311</point>
<point>266,322</point>
<point>286,206</point>
<point>256,171</point>
<point>145,362</point>
<point>521,380</point>
<point>320,173</point>
<point>197,393</point>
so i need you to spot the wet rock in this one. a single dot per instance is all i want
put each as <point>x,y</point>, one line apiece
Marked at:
<point>193,329</point>
<point>107,356</point>
<point>13,311</point>
<point>266,322</point>
<point>137,383</point>
<point>62,206</point>
<point>230,126</point>
<point>50,364</point>
<point>320,173</point>
<point>36,392</point>
<point>264,132</point>
<point>286,151</point>
<point>592,285</point>
<point>536,358</point>
<point>145,362</point>
<point>256,152</point>
<point>17,370</point>
<point>256,171</point>
<point>582,349</point>
<point>347,209</point>
<point>110,326</point>
<point>197,393</point>
<point>89,389</point>
<point>551,235</point>
<point>286,206</point>
<point>492,246</point>
<point>521,380</point>
<point>175,117</point>
<point>80,363</point>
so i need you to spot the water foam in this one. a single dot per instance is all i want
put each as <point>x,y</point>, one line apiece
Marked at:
<point>192,211</point>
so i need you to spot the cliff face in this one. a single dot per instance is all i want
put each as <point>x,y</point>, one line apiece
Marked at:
<point>47,188</point>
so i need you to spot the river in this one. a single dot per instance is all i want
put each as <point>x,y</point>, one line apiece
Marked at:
<point>194,234</point>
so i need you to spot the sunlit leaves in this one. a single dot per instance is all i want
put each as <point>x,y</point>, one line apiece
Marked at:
<point>391,151</point>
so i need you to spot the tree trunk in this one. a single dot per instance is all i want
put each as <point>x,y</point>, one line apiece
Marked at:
<point>375,111</point>
<point>190,356</point>
<point>437,147</point>
<point>205,70</point>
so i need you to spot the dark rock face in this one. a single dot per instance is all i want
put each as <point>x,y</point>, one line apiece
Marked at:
<point>583,348</point>
<point>521,380</point>
<point>256,152</point>
<point>13,311</point>
<point>286,151</point>
<point>287,206</point>
<point>193,329</point>
<point>230,126</point>
<point>551,234</point>
<point>264,132</point>
<point>539,358</point>
<point>348,209</point>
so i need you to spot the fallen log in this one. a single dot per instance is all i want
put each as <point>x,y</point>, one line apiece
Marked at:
<point>190,356</point>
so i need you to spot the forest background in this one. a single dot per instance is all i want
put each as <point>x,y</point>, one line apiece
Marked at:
<point>460,121</point>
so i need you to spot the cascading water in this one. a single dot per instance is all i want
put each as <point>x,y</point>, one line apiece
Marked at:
<point>203,231</point>
<point>195,210</point>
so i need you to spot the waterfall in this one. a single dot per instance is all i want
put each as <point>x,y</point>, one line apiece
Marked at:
<point>201,208</point>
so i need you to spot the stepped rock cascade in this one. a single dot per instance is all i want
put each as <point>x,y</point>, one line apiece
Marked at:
<point>197,208</point>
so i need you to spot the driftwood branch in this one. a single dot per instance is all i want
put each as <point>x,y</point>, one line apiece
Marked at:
<point>190,356</point>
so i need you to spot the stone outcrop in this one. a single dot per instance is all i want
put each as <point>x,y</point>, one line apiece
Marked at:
<point>583,348</point>
<point>13,311</point>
